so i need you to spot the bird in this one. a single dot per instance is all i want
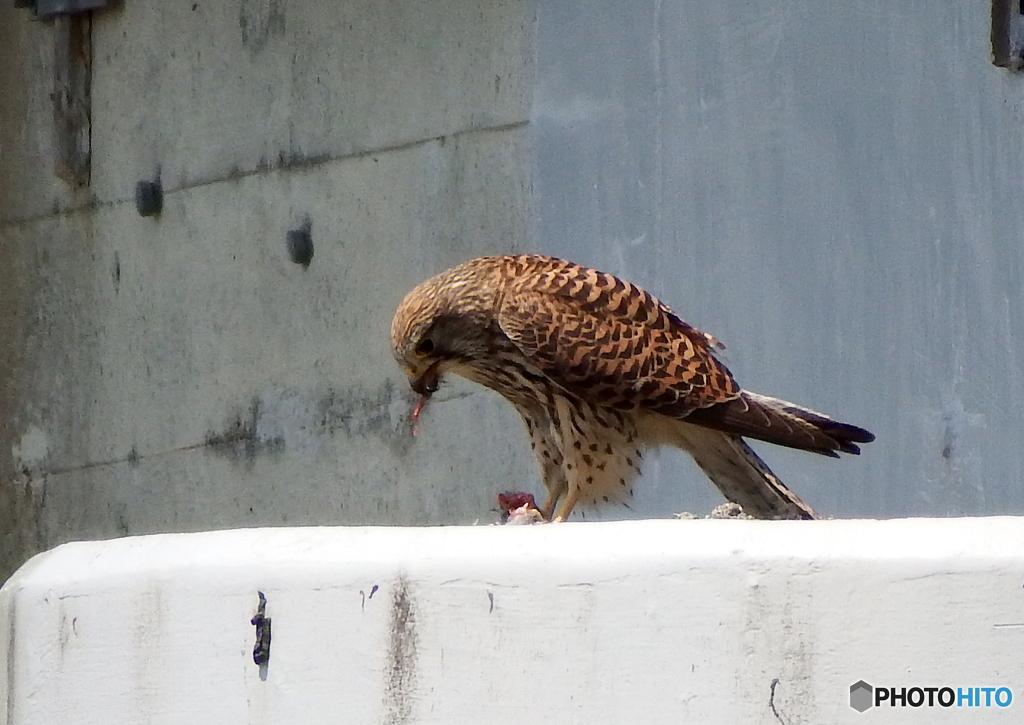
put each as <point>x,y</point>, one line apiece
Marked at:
<point>602,371</point>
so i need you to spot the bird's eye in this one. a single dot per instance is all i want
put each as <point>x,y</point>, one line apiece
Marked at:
<point>425,347</point>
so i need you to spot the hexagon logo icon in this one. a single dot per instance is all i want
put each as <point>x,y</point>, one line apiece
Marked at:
<point>860,695</point>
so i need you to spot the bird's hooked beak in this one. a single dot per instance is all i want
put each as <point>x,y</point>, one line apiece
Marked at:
<point>427,381</point>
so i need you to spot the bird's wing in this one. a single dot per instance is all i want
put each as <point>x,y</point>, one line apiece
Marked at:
<point>612,343</point>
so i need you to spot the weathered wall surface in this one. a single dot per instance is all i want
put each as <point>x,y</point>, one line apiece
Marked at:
<point>834,192</point>
<point>180,372</point>
<point>717,622</point>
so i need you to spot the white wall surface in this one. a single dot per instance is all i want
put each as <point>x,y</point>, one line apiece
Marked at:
<point>654,622</point>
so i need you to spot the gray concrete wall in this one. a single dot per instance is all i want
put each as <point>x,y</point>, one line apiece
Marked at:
<point>831,189</point>
<point>180,372</point>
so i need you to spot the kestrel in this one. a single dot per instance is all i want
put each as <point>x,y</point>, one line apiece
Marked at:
<point>601,371</point>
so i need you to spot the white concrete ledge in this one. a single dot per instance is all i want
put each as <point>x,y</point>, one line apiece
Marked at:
<point>643,621</point>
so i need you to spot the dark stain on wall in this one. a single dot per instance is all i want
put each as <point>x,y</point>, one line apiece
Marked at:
<point>239,438</point>
<point>289,418</point>
<point>400,678</point>
<point>260,20</point>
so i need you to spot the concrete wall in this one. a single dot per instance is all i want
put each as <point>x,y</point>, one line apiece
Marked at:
<point>833,190</point>
<point>759,622</point>
<point>180,372</point>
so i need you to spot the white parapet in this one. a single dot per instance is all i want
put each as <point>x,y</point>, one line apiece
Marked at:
<point>632,622</point>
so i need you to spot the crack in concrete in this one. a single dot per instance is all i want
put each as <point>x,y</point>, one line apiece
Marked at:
<point>286,161</point>
<point>276,420</point>
<point>132,458</point>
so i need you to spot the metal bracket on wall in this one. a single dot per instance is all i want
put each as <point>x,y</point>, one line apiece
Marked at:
<point>1008,34</point>
<point>50,8</point>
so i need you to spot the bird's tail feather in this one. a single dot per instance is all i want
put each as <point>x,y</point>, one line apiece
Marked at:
<point>740,474</point>
<point>783,423</point>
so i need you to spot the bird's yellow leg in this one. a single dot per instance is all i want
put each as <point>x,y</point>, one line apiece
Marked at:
<point>556,486</point>
<point>570,501</point>
<point>548,509</point>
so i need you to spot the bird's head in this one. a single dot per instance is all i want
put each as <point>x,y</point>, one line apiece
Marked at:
<point>439,327</point>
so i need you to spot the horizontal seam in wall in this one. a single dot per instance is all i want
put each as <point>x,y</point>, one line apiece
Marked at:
<point>285,162</point>
<point>135,458</point>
